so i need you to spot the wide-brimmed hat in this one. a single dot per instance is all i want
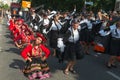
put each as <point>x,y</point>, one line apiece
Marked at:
<point>20,20</point>
<point>41,36</point>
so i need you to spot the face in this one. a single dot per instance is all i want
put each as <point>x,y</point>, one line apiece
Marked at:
<point>27,33</point>
<point>19,22</point>
<point>38,40</point>
<point>56,17</point>
<point>75,25</point>
<point>16,22</point>
<point>64,15</point>
<point>23,27</point>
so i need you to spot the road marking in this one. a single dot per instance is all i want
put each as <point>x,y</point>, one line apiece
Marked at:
<point>113,75</point>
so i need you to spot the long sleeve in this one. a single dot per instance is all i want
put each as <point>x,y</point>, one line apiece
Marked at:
<point>25,51</point>
<point>45,50</point>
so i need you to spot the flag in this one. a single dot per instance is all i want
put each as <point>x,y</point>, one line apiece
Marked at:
<point>89,3</point>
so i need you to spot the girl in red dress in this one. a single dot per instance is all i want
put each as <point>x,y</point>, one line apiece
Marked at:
<point>35,55</point>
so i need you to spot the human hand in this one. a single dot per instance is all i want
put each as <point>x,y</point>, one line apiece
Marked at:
<point>29,59</point>
<point>43,58</point>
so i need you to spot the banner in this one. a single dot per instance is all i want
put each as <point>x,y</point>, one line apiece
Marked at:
<point>26,4</point>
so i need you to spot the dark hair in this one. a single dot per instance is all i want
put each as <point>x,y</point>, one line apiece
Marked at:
<point>75,21</point>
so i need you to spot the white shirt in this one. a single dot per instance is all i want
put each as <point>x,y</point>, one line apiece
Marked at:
<point>75,37</point>
<point>89,24</point>
<point>46,22</point>
<point>33,16</point>
<point>54,27</point>
<point>113,30</point>
<point>116,33</point>
<point>20,13</point>
<point>105,33</point>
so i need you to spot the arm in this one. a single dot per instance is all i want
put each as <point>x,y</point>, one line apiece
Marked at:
<point>45,50</point>
<point>25,51</point>
<point>74,10</point>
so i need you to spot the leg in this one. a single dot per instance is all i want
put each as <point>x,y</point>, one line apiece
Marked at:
<point>111,61</point>
<point>54,52</point>
<point>72,66</point>
<point>87,45</point>
<point>67,68</point>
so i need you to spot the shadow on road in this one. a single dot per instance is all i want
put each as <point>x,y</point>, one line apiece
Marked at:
<point>13,50</point>
<point>7,36</point>
<point>10,42</point>
<point>17,64</point>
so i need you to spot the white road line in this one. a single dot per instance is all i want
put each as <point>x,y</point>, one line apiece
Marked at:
<point>113,75</point>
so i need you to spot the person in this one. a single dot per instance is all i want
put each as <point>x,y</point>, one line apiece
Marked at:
<point>55,32</point>
<point>87,38</point>
<point>112,43</point>
<point>24,39</point>
<point>114,50</point>
<point>73,48</point>
<point>35,55</point>
<point>100,14</point>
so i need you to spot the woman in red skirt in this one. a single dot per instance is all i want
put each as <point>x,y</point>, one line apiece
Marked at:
<point>35,55</point>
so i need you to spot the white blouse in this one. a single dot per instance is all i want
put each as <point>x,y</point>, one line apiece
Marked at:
<point>56,26</point>
<point>75,36</point>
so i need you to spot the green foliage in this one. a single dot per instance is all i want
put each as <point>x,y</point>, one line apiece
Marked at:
<point>4,6</point>
<point>1,4</point>
<point>68,4</point>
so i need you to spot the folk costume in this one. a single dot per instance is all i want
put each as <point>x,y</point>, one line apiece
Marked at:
<point>37,67</point>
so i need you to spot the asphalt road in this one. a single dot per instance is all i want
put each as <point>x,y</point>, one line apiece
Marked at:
<point>92,67</point>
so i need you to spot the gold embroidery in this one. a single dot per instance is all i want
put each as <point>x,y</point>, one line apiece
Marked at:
<point>36,51</point>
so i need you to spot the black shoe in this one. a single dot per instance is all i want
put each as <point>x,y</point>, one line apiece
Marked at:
<point>72,71</point>
<point>109,66</point>
<point>113,65</point>
<point>66,72</point>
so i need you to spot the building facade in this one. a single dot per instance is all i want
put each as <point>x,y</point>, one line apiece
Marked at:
<point>117,5</point>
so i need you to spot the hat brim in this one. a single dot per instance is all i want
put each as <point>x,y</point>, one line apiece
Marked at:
<point>41,36</point>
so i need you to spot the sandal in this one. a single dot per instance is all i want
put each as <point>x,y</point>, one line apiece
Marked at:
<point>72,71</point>
<point>108,66</point>
<point>66,72</point>
<point>113,65</point>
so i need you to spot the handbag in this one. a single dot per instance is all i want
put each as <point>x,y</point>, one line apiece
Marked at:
<point>99,48</point>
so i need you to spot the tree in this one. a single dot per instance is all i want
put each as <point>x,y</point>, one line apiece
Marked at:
<point>68,4</point>
<point>3,7</point>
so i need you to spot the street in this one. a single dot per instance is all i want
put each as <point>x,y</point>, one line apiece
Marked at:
<point>92,67</point>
